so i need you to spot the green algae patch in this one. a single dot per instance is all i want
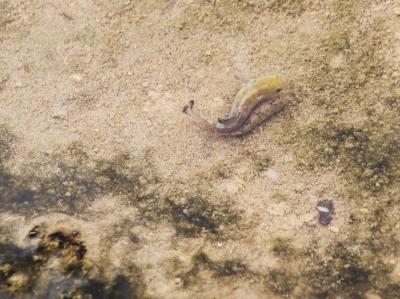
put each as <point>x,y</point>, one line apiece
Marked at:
<point>367,155</point>
<point>195,215</point>
<point>17,269</point>
<point>219,269</point>
<point>217,16</point>
<point>282,247</point>
<point>349,268</point>
<point>280,282</point>
<point>70,181</point>
<point>136,182</point>
<point>292,8</point>
<point>79,288</point>
<point>68,247</point>
<point>62,255</point>
<point>260,159</point>
<point>6,141</point>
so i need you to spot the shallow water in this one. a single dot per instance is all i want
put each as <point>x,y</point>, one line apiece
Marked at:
<point>107,190</point>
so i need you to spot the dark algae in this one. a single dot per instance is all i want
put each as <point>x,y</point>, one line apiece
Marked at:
<point>22,268</point>
<point>219,269</point>
<point>196,215</point>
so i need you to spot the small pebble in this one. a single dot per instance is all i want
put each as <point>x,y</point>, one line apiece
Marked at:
<point>77,77</point>
<point>272,174</point>
<point>334,229</point>
<point>178,281</point>
<point>326,211</point>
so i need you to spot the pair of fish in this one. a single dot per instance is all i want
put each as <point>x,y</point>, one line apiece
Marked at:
<point>255,102</point>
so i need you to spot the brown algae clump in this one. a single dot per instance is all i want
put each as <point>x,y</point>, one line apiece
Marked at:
<point>6,140</point>
<point>292,8</point>
<point>282,247</point>
<point>280,282</point>
<point>71,183</point>
<point>67,246</point>
<point>18,269</point>
<point>368,157</point>
<point>220,269</point>
<point>196,214</point>
<point>61,254</point>
<point>137,183</point>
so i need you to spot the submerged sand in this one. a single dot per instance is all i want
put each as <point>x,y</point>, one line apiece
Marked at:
<point>108,190</point>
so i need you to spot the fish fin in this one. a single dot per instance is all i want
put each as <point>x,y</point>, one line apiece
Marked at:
<point>227,121</point>
<point>188,108</point>
<point>195,115</point>
<point>242,78</point>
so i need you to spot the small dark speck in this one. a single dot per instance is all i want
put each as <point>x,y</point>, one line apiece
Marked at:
<point>34,232</point>
<point>326,211</point>
<point>134,239</point>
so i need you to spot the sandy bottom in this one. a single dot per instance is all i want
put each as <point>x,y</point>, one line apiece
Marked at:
<point>108,190</point>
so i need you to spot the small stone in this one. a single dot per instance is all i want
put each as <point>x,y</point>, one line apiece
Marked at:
<point>326,211</point>
<point>334,229</point>
<point>68,194</point>
<point>145,84</point>
<point>178,281</point>
<point>272,174</point>
<point>397,11</point>
<point>77,77</point>
<point>338,61</point>
<point>34,232</point>
<point>18,84</point>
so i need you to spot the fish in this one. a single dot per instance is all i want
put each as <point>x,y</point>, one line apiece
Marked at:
<point>256,101</point>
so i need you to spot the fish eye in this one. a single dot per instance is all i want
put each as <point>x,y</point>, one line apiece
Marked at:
<point>278,90</point>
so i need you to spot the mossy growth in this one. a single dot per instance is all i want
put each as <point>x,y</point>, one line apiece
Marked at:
<point>64,253</point>
<point>280,282</point>
<point>11,187</point>
<point>292,8</point>
<point>66,245</point>
<point>18,269</point>
<point>216,15</point>
<point>259,158</point>
<point>6,140</point>
<point>220,170</point>
<point>71,188</point>
<point>196,214</point>
<point>220,269</point>
<point>348,268</point>
<point>84,288</point>
<point>70,181</point>
<point>369,157</point>
<point>342,272</point>
<point>137,183</point>
<point>283,248</point>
